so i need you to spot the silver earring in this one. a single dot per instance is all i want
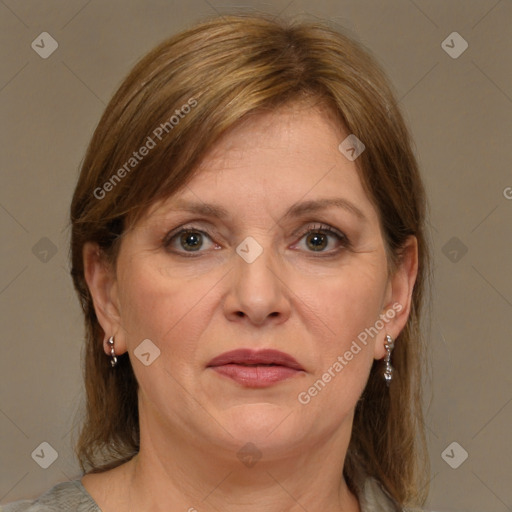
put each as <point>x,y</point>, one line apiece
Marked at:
<point>113,360</point>
<point>388,372</point>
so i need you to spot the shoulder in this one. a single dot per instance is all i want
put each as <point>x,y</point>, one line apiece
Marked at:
<point>374,498</point>
<point>64,497</point>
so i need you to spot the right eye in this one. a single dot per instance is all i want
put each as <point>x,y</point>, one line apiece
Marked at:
<point>186,240</point>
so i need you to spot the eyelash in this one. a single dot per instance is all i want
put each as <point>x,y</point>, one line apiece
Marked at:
<point>312,229</point>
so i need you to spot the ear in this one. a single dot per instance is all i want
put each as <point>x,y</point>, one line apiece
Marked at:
<point>398,296</point>
<point>102,283</point>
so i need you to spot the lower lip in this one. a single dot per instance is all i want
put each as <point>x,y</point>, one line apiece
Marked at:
<point>256,376</point>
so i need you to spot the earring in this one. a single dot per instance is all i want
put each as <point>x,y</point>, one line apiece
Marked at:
<point>113,360</point>
<point>388,372</point>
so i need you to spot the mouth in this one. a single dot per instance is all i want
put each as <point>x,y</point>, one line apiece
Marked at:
<point>256,369</point>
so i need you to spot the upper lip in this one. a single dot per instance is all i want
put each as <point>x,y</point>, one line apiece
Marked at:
<point>248,356</point>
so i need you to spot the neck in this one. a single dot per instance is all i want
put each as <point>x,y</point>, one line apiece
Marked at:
<point>192,477</point>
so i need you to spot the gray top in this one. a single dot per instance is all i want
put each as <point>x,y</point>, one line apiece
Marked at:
<point>73,497</point>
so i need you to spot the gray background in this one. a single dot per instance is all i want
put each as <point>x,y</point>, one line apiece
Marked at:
<point>460,114</point>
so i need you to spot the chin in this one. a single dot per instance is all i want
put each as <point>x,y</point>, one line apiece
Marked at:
<point>264,423</point>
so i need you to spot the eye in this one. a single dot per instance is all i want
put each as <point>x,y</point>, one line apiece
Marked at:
<point>187,240</point>
<point>190,240</point>
<point>317,238</point>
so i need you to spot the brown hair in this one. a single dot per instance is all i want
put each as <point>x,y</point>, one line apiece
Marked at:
<point>209,77</point>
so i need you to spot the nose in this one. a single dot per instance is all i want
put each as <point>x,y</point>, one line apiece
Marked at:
<point>258,293</point>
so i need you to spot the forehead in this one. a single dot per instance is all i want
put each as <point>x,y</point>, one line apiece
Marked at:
<point>294,129</point>
<point>273,160</point>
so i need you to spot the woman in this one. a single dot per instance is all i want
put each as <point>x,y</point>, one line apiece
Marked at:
<point>248,247</point>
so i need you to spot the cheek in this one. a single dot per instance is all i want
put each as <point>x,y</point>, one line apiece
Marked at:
<point>352,300</point>
<point>165,308</point>
<point>348,306</point>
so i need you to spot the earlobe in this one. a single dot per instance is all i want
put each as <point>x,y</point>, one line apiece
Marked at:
<point>102,284</point>
<point>399,294</point>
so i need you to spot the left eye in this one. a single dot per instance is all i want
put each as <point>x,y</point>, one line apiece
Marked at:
<point>317,238</point>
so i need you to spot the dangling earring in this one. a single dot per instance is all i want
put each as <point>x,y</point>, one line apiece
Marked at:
<point>388,372</point>
<point>113,360</point>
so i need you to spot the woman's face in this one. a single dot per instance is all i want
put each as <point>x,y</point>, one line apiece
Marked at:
<point>278,270</point>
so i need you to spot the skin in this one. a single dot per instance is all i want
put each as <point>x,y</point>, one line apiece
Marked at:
<point>309,304</point>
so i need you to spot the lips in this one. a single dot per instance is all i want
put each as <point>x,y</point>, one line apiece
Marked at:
<point>248,357</point>
<point>256,369</point>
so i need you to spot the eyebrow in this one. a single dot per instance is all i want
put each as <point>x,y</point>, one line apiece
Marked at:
<point>313,206</point>
<point>295,210</point>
